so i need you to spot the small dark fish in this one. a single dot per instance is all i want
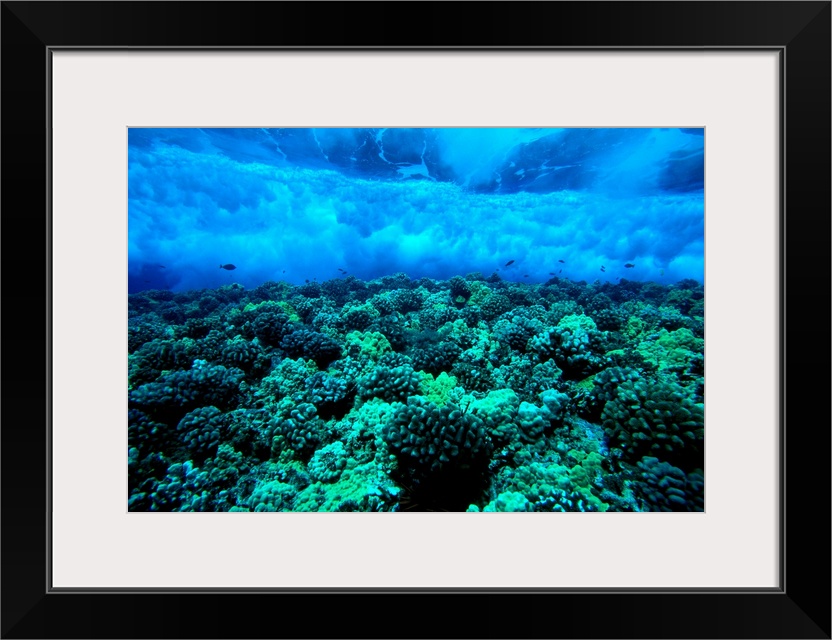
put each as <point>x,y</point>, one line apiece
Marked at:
<point>509,262</point>
<point>161,266</point>
<point>629,266</point>
<point>562,261</point>
<point>228,267</point>
<point>551,274</point>
<point>147,280</point>
<point>284,271</point>
<point>560,270</point>
<point>307,280</point>
<point>525,275</point>
<point>603,269</point>
<point>341,270</point>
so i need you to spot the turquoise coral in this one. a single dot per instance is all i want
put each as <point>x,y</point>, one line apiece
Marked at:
<point>398,394</point>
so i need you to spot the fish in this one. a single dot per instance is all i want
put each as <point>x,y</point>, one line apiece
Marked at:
<point>341,270</point>
<point>562,261</point>
<point>560,270</point>
<point>603,269</point>
<point>551,274</point>
<point>508,263</point>
<point>629,265</point>
<point>228,267</point>
<point>525,275</point>
<point>161,266</point>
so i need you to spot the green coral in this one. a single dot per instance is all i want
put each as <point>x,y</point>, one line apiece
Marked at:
<point>371,344</point>
<point>635,328</point>
<point>370,416</point>
<point>267,305</point>
<point>289,310</point>
<point>578,322</point>
<point>285,379</point>
<point>509,501</point>
<point>272,495</point>
<point>479,293</point>
<point>439,389</point>
<point>588,383</point>
<point>498,410</point>
<point>671,349</point>
<point>554,487</point>
<point>329,462</point>
<point>360,488</point>
<point>587,469</point>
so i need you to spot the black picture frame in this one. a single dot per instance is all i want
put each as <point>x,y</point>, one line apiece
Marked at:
<point>799,608</point>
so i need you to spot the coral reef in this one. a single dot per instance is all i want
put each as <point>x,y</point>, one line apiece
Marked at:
<point>394,394</point>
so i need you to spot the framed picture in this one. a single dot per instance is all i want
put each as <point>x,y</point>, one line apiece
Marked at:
<point>623,143</point>
<point>420,319</point>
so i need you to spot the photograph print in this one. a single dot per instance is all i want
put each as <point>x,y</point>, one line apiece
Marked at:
<point>416,320</point>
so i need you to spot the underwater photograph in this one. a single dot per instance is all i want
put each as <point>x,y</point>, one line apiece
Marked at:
<point>416,320</point>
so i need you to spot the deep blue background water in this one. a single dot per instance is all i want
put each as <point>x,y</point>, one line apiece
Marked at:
<point>298,204</point>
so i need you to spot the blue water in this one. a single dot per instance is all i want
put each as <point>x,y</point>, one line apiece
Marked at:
<point>316,204</point>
